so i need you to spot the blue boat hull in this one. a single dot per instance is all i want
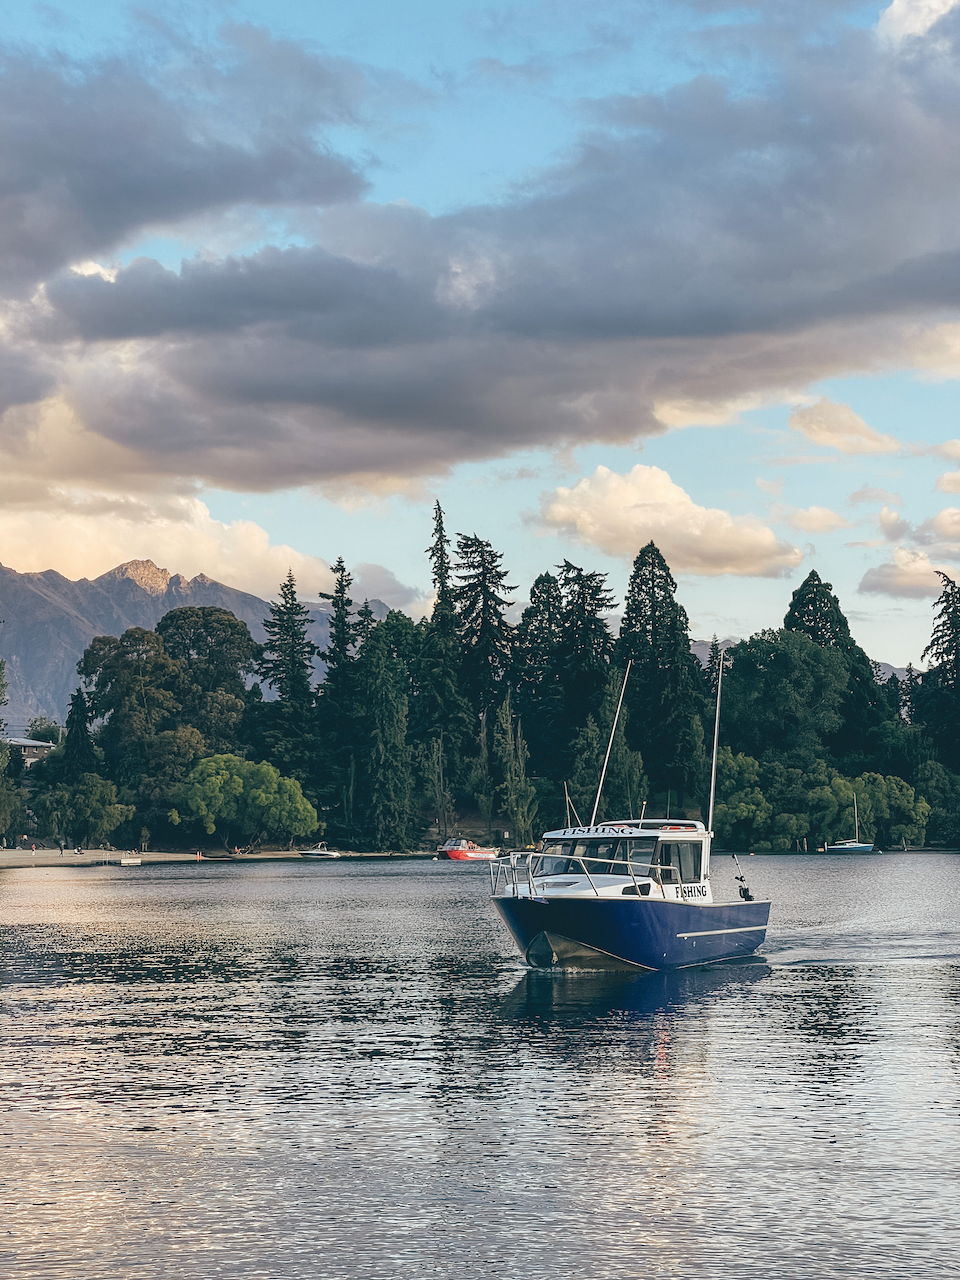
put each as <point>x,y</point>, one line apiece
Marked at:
<point>637,933</point>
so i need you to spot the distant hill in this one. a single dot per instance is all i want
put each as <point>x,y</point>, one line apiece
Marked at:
<point>48,621</point>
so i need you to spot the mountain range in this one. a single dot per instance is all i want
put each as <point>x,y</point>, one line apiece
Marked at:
<point>48,621</point>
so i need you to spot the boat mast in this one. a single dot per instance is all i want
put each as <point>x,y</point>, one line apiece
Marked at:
<point>716,740</point>
<point>613,730</point>
<point>856,819</point>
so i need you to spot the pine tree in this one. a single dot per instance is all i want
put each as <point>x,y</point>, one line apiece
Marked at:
<point>517,791</point>
<point>586,645</point>
<point>664,696</point>
<point>440,716</point>
<point>285,731</point>
<point>536,675</point>
<point>79,756</point>
<point>711,672</point>
<point>384,758</point>
<point>484,634</point>
<point>287,660</point>
<point>940,689</point>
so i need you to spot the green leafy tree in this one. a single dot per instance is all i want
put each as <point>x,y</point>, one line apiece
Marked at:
<point>815,612</point>
<point>518,794</point>
<point>217,653</point>
<point>664,695</point>
<point>480,601</point>
<point>86,813</point>
<point>782,696</point>
<point>136,689</point>
<point>42,729</point>
<point>242,800</point>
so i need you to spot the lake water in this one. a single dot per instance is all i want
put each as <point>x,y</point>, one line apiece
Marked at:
<point>343,1070</point>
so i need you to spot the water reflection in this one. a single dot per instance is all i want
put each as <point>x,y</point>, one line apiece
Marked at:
<point>344,1072</point>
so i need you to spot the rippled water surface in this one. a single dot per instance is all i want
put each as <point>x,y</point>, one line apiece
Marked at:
<point>343,1070</point>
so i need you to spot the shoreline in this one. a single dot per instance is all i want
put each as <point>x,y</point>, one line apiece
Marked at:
<point>18,859</point>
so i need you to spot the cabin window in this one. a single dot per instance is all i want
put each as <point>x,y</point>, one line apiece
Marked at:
<point>683,856</point>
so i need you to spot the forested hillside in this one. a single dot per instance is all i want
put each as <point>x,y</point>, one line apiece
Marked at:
<point>464,719</point>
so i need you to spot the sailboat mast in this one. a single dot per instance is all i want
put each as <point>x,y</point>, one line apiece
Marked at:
<point>716,741</point>
<point>606,758</point>
<point>856,818</point>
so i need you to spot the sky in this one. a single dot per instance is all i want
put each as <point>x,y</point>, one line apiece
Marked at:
<point>275,278</point>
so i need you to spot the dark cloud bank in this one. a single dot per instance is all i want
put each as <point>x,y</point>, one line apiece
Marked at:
<point>698,246</point>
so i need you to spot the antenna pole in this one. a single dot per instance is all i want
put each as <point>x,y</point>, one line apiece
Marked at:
<point>606,758</point>
<point>716,741</point>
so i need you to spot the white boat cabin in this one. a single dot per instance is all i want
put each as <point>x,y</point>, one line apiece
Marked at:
<point>651,857</point>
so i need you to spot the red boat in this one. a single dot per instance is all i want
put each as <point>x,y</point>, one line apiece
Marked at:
<point>461,850</point>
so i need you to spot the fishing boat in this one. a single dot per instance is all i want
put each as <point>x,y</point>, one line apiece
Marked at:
<point>628,894</point>
<point>851,846</point>
<point>461,850</point>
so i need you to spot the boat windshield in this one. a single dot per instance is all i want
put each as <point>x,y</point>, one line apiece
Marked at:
<point>603,857</point>
<point>684,856</point>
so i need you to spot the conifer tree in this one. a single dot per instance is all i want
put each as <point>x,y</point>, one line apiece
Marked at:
<point>536,675</point>
<point>586,645</point>
<point>480,603</point>
<point>664,696</point>
<point>286,662</point>
<point>711,672</point>
<point>940,689</point>
<point>79,756</point>
<point>517,792</point>
<point>441,717</point>
<point>285,731</point>
<point>383,753</point>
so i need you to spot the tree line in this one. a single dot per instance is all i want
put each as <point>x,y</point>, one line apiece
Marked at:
<point>465,717</point>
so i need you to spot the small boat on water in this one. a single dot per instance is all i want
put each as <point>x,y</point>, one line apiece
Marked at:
<point>461,850</point>
<point>856,845</point>
<point>319,851</point>
<point>630,894</point>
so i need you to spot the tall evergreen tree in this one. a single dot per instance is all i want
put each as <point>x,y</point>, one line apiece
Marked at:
<point>711,672</point>
<point>940,689</point>
<point>285,731</point>
<point>441,718</point>
<point>480,602</point>
<point>664,695</point>
<point>815,612</point>
<point>79,756</point>
<point>383,771</point>
<point>517,792</point>
<point>586,645</point>
<point>536,675</point>
<point>287,659</point>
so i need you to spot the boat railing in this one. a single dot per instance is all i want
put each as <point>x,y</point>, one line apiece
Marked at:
<point>519,866</point>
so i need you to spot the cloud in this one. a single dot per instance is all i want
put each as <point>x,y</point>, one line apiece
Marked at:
<point>867,493</point>
<point>377,344</point>
<point>773,487</point>
<point>892,525</point>
<point>836,426</point>
<point>949,482</point>
<point>817,520</point>
<point>909,574</point>
<point>620,513</point>
<point>905,18</point>
<point>374,582</point>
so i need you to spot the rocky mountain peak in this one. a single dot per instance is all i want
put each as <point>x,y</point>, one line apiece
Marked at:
<point>143,572</point>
